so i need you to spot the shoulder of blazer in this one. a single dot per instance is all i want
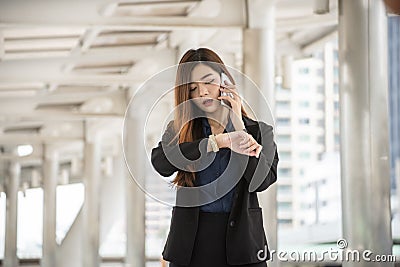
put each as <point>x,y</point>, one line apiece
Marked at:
<point>255,125</point>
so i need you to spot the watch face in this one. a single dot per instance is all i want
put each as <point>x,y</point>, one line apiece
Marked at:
<point>213,143</point>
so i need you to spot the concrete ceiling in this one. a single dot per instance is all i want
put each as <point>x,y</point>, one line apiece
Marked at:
<point>64,63</point>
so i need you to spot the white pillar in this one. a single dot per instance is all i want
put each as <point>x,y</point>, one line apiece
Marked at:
<point>190,41</point>
<point>50,175</point>
<point>135,156</point>
<point>287,62</point>
<point>91,206</point>
<point>259,65</point>
<point>397,177</point>
<point>10,250</point>
<point>364,128</point>
<point>1,45</point>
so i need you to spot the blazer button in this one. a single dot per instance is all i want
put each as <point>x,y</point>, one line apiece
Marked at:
<point>232,223</point>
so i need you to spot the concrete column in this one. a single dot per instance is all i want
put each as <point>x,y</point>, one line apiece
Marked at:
<point>1,45</point>
<point>364,127</point>
<point>91,206</point>
<point>397,177</point>
<point>50,175</point>
<point>287,71</point>
<point>135,156</point>
<point>10,250</point>
<point>190,41</point>
<point>113,199</point>
<point>259,65</point>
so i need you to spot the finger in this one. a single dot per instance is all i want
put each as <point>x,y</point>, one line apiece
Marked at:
<point>249,137</point>
<point>228,98</point>
<point>247,144</point>
<point>258,151</point>
<point>229,90</point>
<point>252,147</point>
<point>253,153</point>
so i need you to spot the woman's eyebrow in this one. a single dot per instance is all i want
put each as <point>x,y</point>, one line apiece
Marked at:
<point>205,76</point>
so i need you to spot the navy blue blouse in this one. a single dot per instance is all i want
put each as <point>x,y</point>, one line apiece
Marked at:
<point>214,170</point>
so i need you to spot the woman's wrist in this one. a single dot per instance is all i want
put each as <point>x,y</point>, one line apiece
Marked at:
<point>237,122</point>
<point>220,138</point>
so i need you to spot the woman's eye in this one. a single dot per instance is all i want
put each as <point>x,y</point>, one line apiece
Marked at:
<point>210,81</point>
<point>192,89</point>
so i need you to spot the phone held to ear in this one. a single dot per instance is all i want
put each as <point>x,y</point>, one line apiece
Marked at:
<point>224,78</point>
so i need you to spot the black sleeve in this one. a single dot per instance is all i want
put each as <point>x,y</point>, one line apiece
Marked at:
<point>261,172</point>
<point>184,154</point>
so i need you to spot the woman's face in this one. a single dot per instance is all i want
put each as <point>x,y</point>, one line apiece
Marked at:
<point>204,89</point>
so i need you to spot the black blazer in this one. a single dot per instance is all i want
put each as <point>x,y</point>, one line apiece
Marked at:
<point>245,235</point>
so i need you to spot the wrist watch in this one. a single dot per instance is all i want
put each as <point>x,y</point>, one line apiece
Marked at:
<point>213,142</point>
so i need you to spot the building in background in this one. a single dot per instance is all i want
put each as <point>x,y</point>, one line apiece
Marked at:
<point>307,127</point>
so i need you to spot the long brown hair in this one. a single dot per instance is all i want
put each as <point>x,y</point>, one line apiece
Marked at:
<point>190,129</point>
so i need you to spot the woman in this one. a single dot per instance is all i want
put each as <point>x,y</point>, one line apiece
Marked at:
<point>225,229</point>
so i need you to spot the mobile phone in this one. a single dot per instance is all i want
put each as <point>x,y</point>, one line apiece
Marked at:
<point>224,78</point>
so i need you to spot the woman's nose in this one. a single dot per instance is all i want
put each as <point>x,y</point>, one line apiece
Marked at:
<point>203,90</point>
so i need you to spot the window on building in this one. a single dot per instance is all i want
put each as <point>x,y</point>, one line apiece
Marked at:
<point>304,138</point>
<point>285,221</point>
<point>285,206</point>
<point>304,104</point>
<point>284,171</point>
<point>336,72</point>
<point>304,206</point>
<point>305,155</point>
<point>336,55</point>
<point>336,123</point>
<point>304,121</point>
<point>283,104</point>
<point>283,138</point>
<point>336,105</point>
<point>284,189</point>
<point>283,121</point>
<point>304,70</point>
<point>285,155</point>
<point>304,87</point>
<point>321,139</point>
<point>336,88</point>
<point>337,139</point>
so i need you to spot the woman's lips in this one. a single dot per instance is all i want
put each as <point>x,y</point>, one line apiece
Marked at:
<point>208,102</point>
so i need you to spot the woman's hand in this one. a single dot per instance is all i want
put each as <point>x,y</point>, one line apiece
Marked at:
<point>235,103</point>
<point>240,142</point>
